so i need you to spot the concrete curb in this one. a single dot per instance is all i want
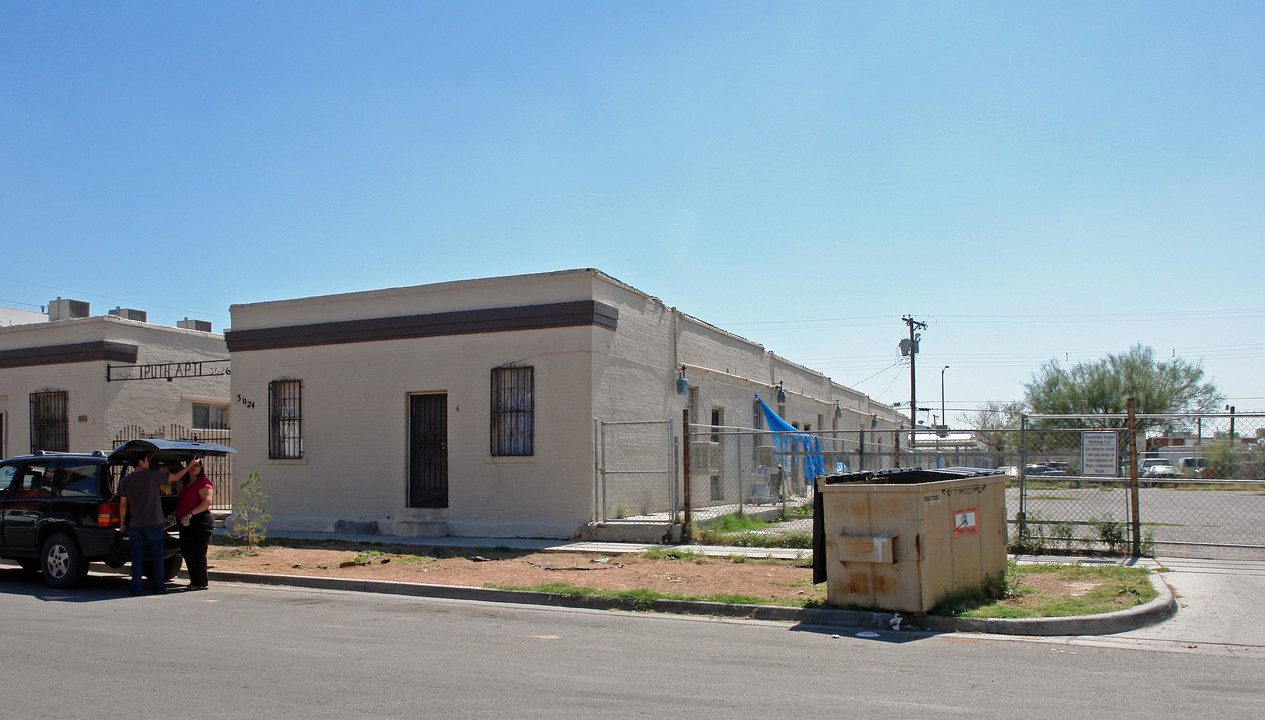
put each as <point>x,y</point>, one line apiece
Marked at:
<point>1156,611</point>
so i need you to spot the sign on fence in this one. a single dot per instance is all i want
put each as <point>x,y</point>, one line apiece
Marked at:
<point>1100,453</point>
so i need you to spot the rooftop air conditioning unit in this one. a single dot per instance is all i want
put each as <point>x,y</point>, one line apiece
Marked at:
<point>199,325</point>
<point>130,314</point>
<point>67,309</point>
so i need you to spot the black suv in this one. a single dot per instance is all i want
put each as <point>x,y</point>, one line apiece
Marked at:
<point>60,510</point>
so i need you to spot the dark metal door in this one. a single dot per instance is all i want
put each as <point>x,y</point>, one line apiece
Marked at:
<point>428,451</point>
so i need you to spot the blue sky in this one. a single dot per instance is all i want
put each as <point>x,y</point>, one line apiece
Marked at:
<point>1035,180</point>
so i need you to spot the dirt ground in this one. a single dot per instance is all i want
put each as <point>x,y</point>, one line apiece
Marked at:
<point>778,581</point>
<point>767,579</point>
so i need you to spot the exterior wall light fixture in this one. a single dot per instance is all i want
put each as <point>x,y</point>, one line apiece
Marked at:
<point>682,385</point>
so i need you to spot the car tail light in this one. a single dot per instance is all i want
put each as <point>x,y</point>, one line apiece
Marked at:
<point>108,515</point>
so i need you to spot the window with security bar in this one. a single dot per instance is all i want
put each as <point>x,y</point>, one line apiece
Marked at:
<point>285,419</point>
<point>50,422</point>
<point>513,411</point>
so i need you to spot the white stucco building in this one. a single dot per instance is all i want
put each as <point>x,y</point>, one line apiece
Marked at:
<point>468,408</point>
<point>81,384</point>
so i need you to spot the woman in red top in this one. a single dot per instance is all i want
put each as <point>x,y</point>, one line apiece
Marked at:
<point>193,512</point>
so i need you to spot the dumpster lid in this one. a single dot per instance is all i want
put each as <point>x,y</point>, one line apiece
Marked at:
<point>896,476</point>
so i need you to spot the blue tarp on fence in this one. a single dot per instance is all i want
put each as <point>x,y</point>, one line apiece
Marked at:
<point>787,439</point>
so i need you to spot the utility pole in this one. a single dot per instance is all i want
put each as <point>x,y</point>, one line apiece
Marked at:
<point>910,347</point>
<point>944,417</point>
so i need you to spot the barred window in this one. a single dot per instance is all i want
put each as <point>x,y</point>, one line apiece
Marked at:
<point>50,423</point>
<point>285,419</point>
<point>513,410</point>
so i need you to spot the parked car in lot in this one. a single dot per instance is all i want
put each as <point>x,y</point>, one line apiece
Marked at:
<point>1009,470</point>
<point>1195,467</point>
<point>59,511</point>
<point>1160,468</point>
<point>1059,467</point>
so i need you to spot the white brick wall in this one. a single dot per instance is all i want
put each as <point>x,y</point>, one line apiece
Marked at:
<point>106,407</point>
<point>355,468</point>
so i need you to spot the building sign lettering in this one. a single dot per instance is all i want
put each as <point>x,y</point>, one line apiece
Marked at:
<point>167,371</point>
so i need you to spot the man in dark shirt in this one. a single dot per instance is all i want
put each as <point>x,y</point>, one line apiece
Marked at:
<point>140,506</point>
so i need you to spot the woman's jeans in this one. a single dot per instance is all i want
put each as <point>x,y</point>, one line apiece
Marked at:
<point>194,539</point>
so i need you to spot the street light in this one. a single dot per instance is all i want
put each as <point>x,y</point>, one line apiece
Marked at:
<point>943,418</point>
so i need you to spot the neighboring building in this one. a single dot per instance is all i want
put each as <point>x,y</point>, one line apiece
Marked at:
<point>85,383</point>
<point>468,408</point>
<point>13,316</point>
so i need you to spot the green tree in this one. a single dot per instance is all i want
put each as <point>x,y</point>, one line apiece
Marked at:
<point>1104,386</point>
<point>996,425</point>
<point>250,514</point>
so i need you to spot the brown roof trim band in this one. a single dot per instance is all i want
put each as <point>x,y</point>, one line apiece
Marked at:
<point>98,350</point>
<point>578,313</point>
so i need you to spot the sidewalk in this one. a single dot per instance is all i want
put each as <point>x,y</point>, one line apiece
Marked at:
<point>1200,590</point>
<point>539,545</point>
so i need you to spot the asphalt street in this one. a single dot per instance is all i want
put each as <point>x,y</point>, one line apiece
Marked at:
<point>253,652</point>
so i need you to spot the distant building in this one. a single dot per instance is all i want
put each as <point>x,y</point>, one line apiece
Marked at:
<point>84,383</point>
<point>14,316</point>
<point>469,408</point>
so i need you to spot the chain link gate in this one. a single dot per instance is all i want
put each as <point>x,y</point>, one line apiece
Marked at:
<point>1187,485</point>
<point>636,478</point>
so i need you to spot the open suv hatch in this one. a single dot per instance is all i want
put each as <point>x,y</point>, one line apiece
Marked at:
<point>60,511</point>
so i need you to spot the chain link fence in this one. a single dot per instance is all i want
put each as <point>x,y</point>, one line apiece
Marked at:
<point>1200,487</point>
<point>1200,484</point>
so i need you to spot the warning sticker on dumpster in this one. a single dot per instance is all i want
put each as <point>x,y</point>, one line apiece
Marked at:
<point>966,522</point>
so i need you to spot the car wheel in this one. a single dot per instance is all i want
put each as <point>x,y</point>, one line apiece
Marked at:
<point>171,567</point>
<point>61,562</point>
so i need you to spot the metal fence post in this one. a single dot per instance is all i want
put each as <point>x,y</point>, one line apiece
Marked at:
<point>1023,477</point>
<point>599,487</point>
<point>674,499</point>
<point>1136,518</point>
<point>686,534</point>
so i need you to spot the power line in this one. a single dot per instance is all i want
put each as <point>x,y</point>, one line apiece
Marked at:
<point>880,372</point>
<point>874,320</point>
<point>19,302</point>
<point>122,301</point>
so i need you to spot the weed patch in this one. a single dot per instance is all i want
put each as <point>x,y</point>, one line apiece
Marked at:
<point>663,552</point>
<point>1053,591</point>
